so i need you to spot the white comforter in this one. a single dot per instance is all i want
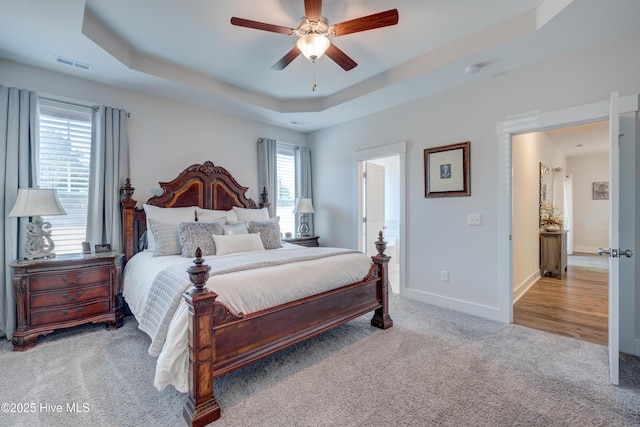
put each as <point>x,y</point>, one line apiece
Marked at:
<point>245,291</point>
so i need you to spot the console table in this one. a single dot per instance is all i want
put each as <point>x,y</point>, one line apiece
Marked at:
<point>553,253</point>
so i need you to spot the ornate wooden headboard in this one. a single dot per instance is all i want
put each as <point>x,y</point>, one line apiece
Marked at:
<point>204,185</point>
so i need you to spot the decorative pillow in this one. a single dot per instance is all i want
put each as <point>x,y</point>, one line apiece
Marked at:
<point>245,214</point>
<point>165,235</point>
<point>236,228</point>
<point>176,215</point>
<point>208,215</point>
<point>231,244</point>
<point>269,233</point>
<point>194,235</point>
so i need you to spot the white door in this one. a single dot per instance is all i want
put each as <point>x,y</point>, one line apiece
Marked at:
<point>374,205</point>
<point>614,240</point>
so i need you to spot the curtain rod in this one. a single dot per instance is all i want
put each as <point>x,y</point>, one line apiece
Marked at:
<point>77,104</point>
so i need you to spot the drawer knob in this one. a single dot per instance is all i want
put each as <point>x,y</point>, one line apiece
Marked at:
<point>68,298</point>
<point>78,310</point>
<point>68,282</point>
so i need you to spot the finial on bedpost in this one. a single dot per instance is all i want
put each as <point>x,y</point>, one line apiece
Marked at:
<point>198,273</point>
<point>127,189</point>
<point>381,245</point>
<point>264,198</point>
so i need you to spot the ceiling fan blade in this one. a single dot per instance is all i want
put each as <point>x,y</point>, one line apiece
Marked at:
<point>240,22</point>
<point>313,10</point>
<point>286,60</point>
<point>340,58</point>
<point>370,22</point>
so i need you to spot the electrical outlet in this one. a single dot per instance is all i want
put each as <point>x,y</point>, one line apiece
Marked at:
<point>444,276</point>
<point>474,219</point>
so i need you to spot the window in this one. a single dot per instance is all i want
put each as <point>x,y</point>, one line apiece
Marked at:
<point>286,191</point>
<point>64,157</point>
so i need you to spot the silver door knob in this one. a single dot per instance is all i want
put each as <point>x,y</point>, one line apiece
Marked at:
<point>626,252</point>
<point>602,251</point>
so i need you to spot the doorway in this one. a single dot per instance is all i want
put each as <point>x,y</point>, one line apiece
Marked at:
<point>380,180</point>
<point>572,159</point>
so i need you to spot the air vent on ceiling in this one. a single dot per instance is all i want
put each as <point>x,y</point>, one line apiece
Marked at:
<point>72,63</point>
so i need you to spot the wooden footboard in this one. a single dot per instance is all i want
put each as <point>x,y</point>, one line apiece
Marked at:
<point>221,341</point>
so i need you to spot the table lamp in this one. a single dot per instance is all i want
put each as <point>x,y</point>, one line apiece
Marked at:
<point>304,207</point>
<point>36,202</point>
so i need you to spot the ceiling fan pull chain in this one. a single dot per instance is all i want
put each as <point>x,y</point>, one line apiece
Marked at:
<point>313,88</point>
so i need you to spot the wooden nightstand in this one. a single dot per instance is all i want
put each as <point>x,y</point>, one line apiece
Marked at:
<point>310,241</point>
<point>65,291</point>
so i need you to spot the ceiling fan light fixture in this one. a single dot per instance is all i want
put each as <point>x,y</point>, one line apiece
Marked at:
<point>313,45</point>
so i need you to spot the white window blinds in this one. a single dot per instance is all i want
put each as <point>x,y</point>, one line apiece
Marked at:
<point>64,158</point>
<point>286,191</point>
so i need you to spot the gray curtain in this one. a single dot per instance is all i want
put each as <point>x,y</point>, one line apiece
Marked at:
<point>109,169</point>
<point>267,176</point>
<point>18,152</point>
<point>303,178</point>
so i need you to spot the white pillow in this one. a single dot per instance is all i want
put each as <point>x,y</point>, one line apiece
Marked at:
<point>245,214</point>
<point>233,243</point>
<point>176,215</point>
<point>209,215</point>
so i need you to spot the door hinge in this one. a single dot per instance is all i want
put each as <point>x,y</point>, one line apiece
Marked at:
<point>364,175</point>
<point>364,220</point>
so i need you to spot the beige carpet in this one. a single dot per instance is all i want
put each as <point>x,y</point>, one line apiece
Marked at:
<point>434,367</point>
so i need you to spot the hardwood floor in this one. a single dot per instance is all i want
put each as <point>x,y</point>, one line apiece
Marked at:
<point>575,306</point>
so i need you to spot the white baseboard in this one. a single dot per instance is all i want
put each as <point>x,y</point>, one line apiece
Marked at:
<point>523,287</point>
<point>488,312</point>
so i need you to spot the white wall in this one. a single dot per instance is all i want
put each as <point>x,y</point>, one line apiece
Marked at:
<point>591,217</point>
<point>437,235</point>
<point>528,150</point>
<point>164,136</point>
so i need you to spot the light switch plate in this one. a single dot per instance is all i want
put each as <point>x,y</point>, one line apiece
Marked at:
<point>474,219</point>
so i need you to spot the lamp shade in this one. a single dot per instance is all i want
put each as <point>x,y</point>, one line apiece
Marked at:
<point>313,45</point>
<point>37,202</point>
<point>303,206</point>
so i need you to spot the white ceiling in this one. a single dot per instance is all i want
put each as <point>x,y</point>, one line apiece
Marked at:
<point>582,140</point>
<point>189,51</point>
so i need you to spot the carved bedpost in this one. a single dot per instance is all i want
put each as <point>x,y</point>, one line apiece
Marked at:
<point>381,318</point>
<point>201,406</point>
<point>128,207</point>
<point>264,198</point>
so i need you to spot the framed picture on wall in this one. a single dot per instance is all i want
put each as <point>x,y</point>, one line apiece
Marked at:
<point>600,190</point>
<point>447,170</point>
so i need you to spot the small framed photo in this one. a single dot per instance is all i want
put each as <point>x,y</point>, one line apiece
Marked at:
<point>447,170</point>
<point>104,247</point>
<point>600,190</point>
<point>86,247</point>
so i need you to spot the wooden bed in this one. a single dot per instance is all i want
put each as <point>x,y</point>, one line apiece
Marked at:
<point>221,341</point>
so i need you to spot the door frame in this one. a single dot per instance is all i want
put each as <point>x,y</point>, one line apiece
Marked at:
<point>396,149</point>
<point>526,123</point>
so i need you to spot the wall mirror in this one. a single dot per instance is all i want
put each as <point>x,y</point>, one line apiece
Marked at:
<point>546,186</point>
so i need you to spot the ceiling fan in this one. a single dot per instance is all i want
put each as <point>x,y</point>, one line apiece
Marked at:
<point>314,30</point>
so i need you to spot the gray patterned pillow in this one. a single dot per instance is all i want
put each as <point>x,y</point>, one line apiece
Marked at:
<point>166,237</point>
<point>269,233</point>
<point>194,235</point>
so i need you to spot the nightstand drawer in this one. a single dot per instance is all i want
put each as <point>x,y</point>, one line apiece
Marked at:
<point>86,276</point>
<point>73,295</point>
<point>72,312</point>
